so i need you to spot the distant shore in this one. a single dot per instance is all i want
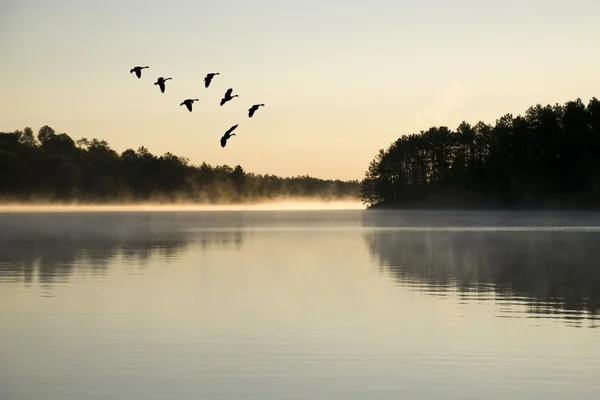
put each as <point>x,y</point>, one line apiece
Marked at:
<point>54,168</point>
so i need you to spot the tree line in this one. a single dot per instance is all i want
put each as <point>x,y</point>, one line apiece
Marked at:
<point>53,167</point>
<point>547,158</point>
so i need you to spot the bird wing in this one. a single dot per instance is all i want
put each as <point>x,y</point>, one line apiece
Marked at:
<point>251,112</point>
<point>223,101</point>
<point>138,72</point>
<point>189,106</point>
<point>161,85</point>
<point>231,129</point>
<point>223,141</point>
<point>228,92</point>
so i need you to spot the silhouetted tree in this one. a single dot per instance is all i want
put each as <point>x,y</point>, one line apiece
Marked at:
<point>45,133</point>
<point>27,137</point>
<point>546,158</point>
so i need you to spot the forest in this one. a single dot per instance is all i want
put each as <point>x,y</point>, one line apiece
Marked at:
<point>548,158</point>
<point>52,167</point>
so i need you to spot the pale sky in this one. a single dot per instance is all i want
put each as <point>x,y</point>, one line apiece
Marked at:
<point>340,79</point>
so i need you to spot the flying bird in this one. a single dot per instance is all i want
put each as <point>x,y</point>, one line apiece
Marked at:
<point>228,135</point>
<point>209,78</point>
<point>137,70</point>
<point>188,103</point>
<point>228,96</point>
<point>161,83</point>
<point>253,109</point>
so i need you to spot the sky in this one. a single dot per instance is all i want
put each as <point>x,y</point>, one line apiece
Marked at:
<point>339,79</point>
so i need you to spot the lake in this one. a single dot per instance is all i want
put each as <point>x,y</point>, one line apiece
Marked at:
<point>336,304</point>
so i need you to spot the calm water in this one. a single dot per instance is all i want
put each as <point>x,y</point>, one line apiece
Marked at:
<point>299,305</point>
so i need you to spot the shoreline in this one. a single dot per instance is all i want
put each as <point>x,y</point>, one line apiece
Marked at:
<point>387,206</point>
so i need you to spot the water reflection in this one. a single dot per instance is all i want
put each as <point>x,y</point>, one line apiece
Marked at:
<point>51,246</point>
<point>528,274</point>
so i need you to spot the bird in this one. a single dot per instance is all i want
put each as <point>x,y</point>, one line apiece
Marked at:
<point>188,103</point>
<point>227,135</point>
<point>161,83</point>
<point>209,78</point>
<point>253,109</point>
<point>137,70</point>
<point>228,96</point>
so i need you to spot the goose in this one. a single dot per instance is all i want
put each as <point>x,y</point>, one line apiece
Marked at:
<point>209,78</point>
<point>228,96</point>
<point>253,109</point>
<point>161,83</point>
<point>137,70</point>
<point>228,135</point>
<point>188,103</point>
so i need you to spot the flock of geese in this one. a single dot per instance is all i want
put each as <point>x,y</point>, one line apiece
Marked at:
<point>188,102</point>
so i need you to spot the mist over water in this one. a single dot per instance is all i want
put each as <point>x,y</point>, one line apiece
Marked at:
<point>157,207</point>
<point>315,304</point>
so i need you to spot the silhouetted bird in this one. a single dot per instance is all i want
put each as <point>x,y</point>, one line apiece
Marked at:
<point>161,83</point>
<point>227,135</point>
<point>209,78</point>
<point>253,109</point>
<point>138,71</point>
<point>188,103</point>
<point>228,96</point>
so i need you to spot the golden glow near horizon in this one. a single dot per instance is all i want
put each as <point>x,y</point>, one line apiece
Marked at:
<point>339,80</point>
<point>277,205</point>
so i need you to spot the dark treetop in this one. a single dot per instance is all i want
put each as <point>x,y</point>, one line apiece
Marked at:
<point>548,158</point>
<point>53,167</point>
